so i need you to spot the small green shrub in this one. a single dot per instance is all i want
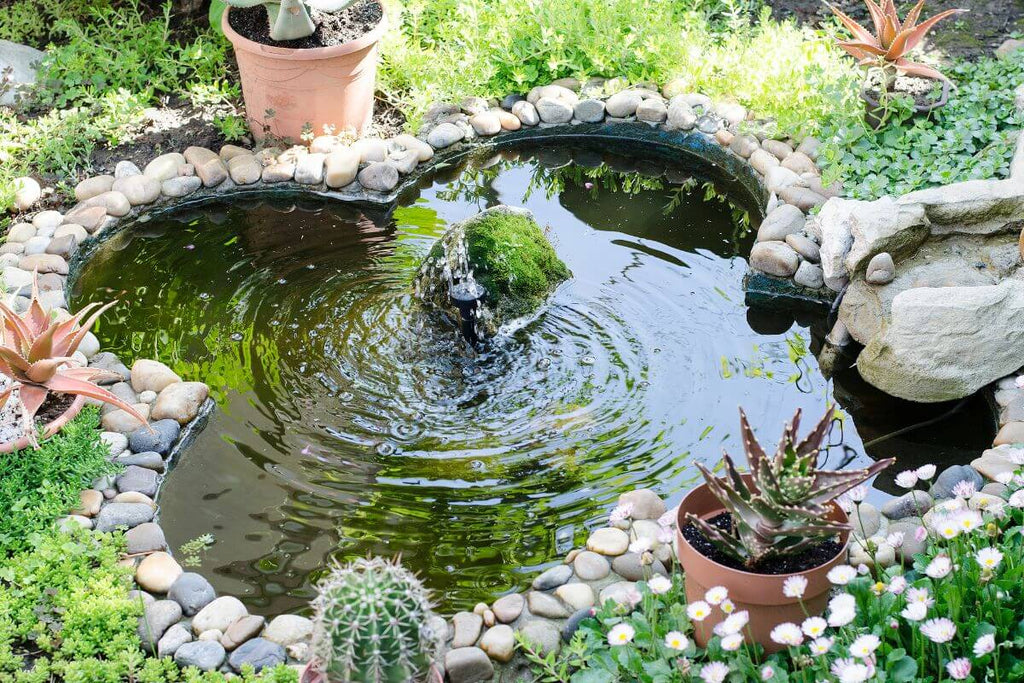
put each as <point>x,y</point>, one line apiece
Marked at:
<point>37,486</point>
<point>31,21</point>
<point>972,137</point>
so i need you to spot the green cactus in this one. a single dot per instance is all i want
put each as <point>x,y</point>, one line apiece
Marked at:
<point>373,624</point>
<point>289,19</point>
<point>782,510</point>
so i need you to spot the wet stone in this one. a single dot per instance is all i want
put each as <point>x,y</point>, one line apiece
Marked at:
<point>149,460</point>
<point>910,504</point>
<point>950,477</point>
<point>628,566</point>
<point>608,541</point>
<point>135,478</point>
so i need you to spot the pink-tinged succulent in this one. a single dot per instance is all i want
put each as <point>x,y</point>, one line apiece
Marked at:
<point>892,39</point>
<point>783,508</point>
<point>36,353</point>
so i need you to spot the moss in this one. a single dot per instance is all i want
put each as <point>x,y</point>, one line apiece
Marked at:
<point>513,261</point>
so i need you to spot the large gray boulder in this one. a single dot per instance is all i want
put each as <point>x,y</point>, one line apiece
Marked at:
<point>947,343</point>
<point>24,60</point>
<point>853,231</point>
<point>976,207</point>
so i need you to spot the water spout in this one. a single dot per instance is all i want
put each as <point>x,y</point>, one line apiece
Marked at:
<point>466,296</point>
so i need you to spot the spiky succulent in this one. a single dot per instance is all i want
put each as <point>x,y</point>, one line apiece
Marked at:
<point>893,39</point>
<point>782,509</point>
<point>372,624</point>
<point>36,354</point>
<point>289,19</point>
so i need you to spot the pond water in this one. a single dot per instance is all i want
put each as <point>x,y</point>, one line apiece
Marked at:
<point>351,421</point>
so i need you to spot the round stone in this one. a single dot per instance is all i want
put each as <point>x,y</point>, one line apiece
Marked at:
<point>590,566</point>
<point>553,578</point>
<point>546,605</point>
<point>543,635</point>
<point>241,631</point>
<point>623,104</point>
<point>146,538</point>
<point>508,607</point>
<point>774,258</point>
<point>553,110</point>
<point>288,629</point>
<point>180,402</point>
<point>468,665</point>
<point>159,437</point>
<point>499,643</point>
<point>589,111</point>
<point>138,189</point>
<point>526,113</point>
<point>576,595</point>
<point>159,616</point>
<point>486,123</point>
<point>910,504</point>
<point>652,110</point>
<point>621,592</point>
<point>27,192</point>
<point>157,572</point>
<point>115,515</point>
<point>608,541</point>
<point>444,135</point>
<point>467,627</point>
<point>219,614</point>
<point>192,592</point>
<point>259,653</point>
<point>881,269</point>
<point>629,567</point>
<point>176,636</point>
<point>379,177</point>
<point>646,504</point>
<point>205,655</point>
<point>784,221</point>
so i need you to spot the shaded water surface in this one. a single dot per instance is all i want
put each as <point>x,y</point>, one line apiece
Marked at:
<point>350,421</point>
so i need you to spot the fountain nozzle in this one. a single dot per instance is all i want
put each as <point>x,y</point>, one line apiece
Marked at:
<point>466,297</point>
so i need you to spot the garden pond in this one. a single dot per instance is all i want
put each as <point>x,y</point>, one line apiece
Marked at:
<point>352,421</point>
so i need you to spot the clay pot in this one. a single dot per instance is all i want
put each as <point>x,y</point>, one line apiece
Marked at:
<point>760,594</point>
<point>50,429</point>
<point>874,112</point>
<point>310,87</point>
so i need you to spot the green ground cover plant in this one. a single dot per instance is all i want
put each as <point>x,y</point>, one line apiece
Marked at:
<point>66,615</point>
<point>38,486</point>
<point>972,137</point>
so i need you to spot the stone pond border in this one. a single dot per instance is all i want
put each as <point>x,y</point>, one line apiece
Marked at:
<point>183,616</point>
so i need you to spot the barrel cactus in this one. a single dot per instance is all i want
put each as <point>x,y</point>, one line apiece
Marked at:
<point>289,19</point>
<point>372,624</point>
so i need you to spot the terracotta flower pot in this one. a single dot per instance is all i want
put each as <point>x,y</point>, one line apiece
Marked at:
<point>50,429</point>
<point>307,87</point>
<point>760,594</point>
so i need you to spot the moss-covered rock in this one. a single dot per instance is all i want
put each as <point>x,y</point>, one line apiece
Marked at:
<point>507,253</point>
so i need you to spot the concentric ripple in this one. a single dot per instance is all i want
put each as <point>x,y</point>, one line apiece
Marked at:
<point>352,421</point>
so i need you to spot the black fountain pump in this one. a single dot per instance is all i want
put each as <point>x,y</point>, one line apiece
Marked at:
<point>466,297</point>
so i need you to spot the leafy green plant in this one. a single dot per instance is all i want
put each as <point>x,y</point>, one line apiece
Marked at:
<point>31,21</point>
<point>370,623</point>
<point>971,138</point>
<point>37,486</point>
<point>782,509</point>
<point>232,127</point>
<point>192,550</point>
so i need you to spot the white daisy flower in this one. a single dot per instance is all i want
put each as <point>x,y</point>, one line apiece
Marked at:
<point>716,595</point>
<point>814,627</point>
<point>732,642</point>
<point>820,646</point>
<point>914,611</point>
<point>897,585</point>
<point>920,595</point>
<point>674,640</point>
<point>864,646</point>
<point>621,513</point>
<point>939,568</point>
<point>959,669</point>
<point>794,587</point>
<point>659,585</point>
<point>850,671</point>
<point>734,623</point>
<point>964,489</point>
<point>621,634</point>
<point>698,611</point>
<point>925,472</point>
<point>907,479</point>
<point>984,645</point>
<point>714,672</point>
<point>842,574</point>
<point>787,634</point>
<point>988,558</point>
<point>940,630</point>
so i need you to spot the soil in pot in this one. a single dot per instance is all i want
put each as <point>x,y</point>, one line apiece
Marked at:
<point>53,407</point>
<point>814,556</point>
<point>332,28</point>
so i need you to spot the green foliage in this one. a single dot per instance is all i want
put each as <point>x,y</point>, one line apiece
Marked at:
<point>370,623</point>
<point>513,261</point>
<point>66,615</point>
<point>445,50</point>
<point>37,486</point>
<point>31,21</point>
<point>91,94</point>
<point>232,127</point>
<point>972,137</point>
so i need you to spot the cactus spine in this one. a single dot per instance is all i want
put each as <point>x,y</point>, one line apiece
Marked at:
<point>372,624</point>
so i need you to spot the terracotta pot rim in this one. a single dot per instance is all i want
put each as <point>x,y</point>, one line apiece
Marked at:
<point>240,42</point>
<point>681,523</point>
<point>50,429</point>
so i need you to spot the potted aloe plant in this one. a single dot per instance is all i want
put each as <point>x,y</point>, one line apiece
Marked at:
<point>305,65</point>
<point>36,357</point>
<point>885,52</point>
<point>766,533</point>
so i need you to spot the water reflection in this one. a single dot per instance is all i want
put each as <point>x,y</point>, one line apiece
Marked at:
<point>352,422</point>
